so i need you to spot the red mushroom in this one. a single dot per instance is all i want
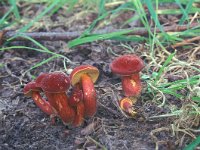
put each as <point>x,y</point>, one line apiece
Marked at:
<point>76,101</point>
<point>32,89</point>
<point>86,76</point>
<point>126,104</point>
<point>55,86</point>
<point>129,66</point>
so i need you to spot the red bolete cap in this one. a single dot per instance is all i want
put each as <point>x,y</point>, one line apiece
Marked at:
<point>30,87</point>
<point>54,82</point>
<point>91,71</point>
<point>126,104</point>
<point>40,78</point>
<point>127,65</point>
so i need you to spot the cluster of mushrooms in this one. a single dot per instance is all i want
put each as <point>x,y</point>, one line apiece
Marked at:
<point>82,101</point>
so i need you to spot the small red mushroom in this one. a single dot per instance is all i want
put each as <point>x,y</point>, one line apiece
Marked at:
<point>32,89</point>
<point>126,104</point>
<point>55,86</point>
<point>129,66</point>
<point>86,76</point>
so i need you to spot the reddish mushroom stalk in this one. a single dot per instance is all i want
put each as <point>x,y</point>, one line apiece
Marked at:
<point>76,101</point>
<point>89,95</point>
<point>76,96</point>
<point>32,90</point>
<point>42,104</point>
<point>80,111</point>
<point>60,103</point>
<point>131,85</point>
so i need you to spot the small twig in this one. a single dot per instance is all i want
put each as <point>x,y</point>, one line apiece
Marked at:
<point>186,42</point>
<point>66,36</point>
<point>97,143</point>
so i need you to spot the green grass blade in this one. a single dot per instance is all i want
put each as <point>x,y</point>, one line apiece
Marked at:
<point>22,47</point>
<point>2,20</point>
<point>168,60</point>
<point>102,9</point>
<point>132,19</point>
<point>172,1</point>
<point>88,30</point>
<point>96,37</point>
<point>176,11</point>
<point>35,42</point>
<point>43,48</point>
<point>129,38</point>
<point>30,39</point>
<point>193,145</point>
<point>70,3</point>
<point>188,7</point>
<point>185,15</point>
<point>193,80</point>
<point>179,86</point>
<point>153,14</point>
<point>15,9</point>
<point>46,10</point>
<point>102,15</point>
<point>42,63</point>
<point>141,13</point>
<point>197,99</point>
<point>125,6</point>
<point>173,93</point>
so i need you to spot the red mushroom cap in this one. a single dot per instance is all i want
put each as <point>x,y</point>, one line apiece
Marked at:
<point>127,65</point>
<point>30,87</point>
<point>54,82</point>
<point>39,79</point>
<point>76,74</point>
<point>126,104</point>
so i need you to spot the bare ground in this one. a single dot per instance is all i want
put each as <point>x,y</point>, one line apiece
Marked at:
<point>24,126</point>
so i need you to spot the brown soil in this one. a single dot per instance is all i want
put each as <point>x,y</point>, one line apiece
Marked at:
<point>23,126</point>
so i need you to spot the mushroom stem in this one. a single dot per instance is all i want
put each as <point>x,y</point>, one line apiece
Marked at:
<point>60,103</point>
<point>79,117</point>
<point>89,95</point>
<point>41,103</point>
<point>131,85</point>
<point>76,96</point>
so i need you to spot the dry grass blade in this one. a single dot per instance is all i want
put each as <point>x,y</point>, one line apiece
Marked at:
<point>186,42</point>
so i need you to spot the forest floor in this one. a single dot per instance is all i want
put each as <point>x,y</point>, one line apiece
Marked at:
<point>24,126</point>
